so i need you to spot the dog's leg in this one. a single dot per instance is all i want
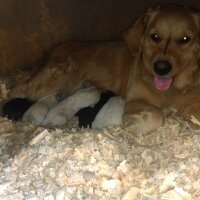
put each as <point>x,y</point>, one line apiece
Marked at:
<point>141,118</point>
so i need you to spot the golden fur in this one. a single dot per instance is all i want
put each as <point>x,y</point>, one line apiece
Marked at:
<point>127,68</point>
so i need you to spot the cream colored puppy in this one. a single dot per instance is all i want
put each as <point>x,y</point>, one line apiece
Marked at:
<point>66,109</point>
<point>36,113</point>
<point>110,114</point>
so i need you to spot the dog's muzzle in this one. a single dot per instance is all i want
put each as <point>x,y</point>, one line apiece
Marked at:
<point>162,79</point>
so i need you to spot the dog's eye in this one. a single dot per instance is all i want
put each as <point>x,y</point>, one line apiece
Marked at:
<point>184,40</point>
<point>155,37</point>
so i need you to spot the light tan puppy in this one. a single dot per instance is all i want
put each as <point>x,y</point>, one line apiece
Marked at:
<point>110,114</point>
<point>155,68</point>
<point>64,111</point>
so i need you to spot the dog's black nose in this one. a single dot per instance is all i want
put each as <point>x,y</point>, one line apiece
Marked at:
<point>162,67</point>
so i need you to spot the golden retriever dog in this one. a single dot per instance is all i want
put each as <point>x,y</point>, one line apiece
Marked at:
<point>155,67</point>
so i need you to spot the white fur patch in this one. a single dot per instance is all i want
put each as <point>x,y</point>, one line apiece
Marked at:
<point>66,109</point>
<point>36,113</point>
<point>110,114</point>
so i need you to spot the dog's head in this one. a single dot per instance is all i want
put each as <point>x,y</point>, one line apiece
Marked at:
<point>168,40</point>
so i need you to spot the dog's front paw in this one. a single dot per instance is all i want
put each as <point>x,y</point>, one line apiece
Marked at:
<point>142,123</point>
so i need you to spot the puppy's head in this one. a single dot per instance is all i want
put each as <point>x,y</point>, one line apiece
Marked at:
<point>168,41</point>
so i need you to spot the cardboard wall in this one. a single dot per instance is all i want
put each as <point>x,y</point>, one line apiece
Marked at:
<point>29,28</point>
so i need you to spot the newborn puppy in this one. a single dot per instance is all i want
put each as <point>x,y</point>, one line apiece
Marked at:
<point>36,113</point>
<point>15,108</point>
<point>87,115</point>
<point>66,109</point>
<point>110,114</point>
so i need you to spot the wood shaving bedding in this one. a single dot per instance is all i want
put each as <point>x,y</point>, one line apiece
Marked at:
<point>72,163</point>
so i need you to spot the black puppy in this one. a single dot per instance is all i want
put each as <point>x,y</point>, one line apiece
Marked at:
<point>15,108</point>
<point>87,115</point>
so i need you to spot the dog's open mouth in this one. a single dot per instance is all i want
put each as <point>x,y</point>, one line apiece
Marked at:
<point>163,83</point>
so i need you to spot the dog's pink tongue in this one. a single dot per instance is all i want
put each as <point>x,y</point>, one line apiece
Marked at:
<point>162,83</point>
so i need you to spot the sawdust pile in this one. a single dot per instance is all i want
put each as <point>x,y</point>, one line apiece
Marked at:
<point>71,163</point>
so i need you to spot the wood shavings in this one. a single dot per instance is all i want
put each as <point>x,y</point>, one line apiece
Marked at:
<point>177,194</point>
<point>3,91</point>
<point>196,142</point>
<point>195,120</point>
<point>7,127</point>
<point>39,137</point>
<point>73,163</point>
<point>132,194</point>
<point>168,182</point>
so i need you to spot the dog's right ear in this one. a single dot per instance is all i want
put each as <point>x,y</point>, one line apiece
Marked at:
<point>134,35</point>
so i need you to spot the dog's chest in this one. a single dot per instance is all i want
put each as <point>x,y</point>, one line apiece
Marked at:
<point>140,90</point>
<point>147,92</point>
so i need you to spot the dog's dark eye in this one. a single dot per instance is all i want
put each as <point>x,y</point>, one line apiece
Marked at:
<point>184,40</point>
<point>155,37</point>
